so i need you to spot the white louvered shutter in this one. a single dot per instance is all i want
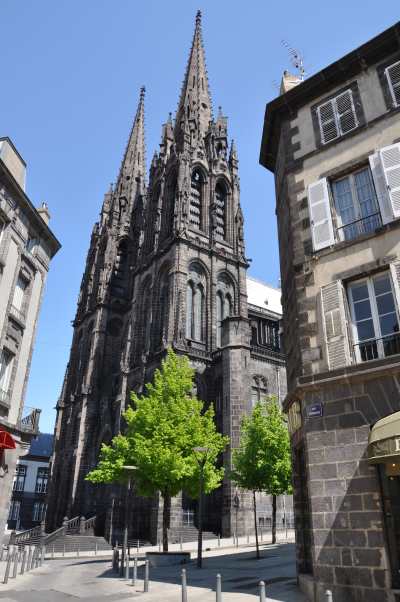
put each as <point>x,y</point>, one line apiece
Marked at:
<point>320,215</point>
<point>395,273</point>
<point>346,112</point>
<point>327,121</point>
<point>390,158</point>
<point>335,326</point>
<point>381,190</point>
<point>393,77</point>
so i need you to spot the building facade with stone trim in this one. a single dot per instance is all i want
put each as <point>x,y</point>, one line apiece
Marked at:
<point>27,246</point>
<point>332,142</point>
<point>28,501</point>
<point>166,267</point>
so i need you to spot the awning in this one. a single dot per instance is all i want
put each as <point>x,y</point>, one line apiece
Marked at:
<point>6,440</point>
<point>384,440</point>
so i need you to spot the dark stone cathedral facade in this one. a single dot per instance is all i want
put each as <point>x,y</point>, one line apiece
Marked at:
<point>166,267</point>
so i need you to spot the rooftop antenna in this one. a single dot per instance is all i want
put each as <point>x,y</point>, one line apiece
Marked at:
<point>296,59</point>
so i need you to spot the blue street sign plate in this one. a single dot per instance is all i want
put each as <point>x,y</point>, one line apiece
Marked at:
<point>315,410</point>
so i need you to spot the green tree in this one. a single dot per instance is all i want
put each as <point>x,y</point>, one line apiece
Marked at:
<point>262,460</point>
<point>163,427</point>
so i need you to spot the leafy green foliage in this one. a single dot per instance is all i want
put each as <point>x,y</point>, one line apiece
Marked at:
<point>262,461</point>
<point>163,427</point>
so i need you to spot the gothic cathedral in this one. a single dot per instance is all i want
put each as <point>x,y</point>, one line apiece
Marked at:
<point>166,267</point>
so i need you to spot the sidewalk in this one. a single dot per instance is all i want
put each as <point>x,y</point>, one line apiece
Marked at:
<point>92,579</point>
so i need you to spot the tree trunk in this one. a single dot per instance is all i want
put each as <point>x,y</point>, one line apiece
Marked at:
<point>255,525</point>
<point>166,519</point>
<point>274,519</point>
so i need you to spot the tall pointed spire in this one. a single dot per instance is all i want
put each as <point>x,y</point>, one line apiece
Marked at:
<point>195,100</point>
<point>133,166</point>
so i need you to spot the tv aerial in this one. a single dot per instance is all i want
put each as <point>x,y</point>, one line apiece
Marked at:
<point>296,59</point>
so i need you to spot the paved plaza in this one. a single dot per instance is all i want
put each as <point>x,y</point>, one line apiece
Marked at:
<point>92,579</point>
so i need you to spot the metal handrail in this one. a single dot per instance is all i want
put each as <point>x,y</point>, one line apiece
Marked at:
<point>364,225</point>
<point>18,538</point>
<point>373,349</point>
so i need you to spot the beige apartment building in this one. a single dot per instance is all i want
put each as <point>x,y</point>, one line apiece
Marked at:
<point>26,247</point>
<point>333,144</point>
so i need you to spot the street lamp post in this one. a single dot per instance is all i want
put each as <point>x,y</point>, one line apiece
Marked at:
<point>201,462</point>
<point>129,470</point>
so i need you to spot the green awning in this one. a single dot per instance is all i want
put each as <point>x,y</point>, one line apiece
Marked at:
<point>384,440</point>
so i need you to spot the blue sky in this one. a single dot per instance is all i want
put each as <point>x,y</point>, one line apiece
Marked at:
<point>70,77</point>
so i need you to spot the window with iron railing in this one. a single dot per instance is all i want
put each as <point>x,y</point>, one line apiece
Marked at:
<point>19,478</point>
<point>356,205</point>
<point>39,511</point>
<point>42,480</point>
<point>375,319</point>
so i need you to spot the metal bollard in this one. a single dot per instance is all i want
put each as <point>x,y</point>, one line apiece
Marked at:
<point>127,566</point>
<point>1,553</point>
<point>218,589</point>
<point>138,545</point>
<point>95,548</point>
<point>42,554</point>
<point>181,542</point>
<point>52,551</point>
<point>15,568</point>
<point>184,586</point>
<point>8,566</point>
<point>328,596</point>
<point>23,562</point>
<point>262,592</point>
<point>146,577</point>
<point>28,565</point>
<point>63,552</point>
<point>134,576</point>
<point>159,545</point>
<point>77,550</point>
<point>248,538</point>
<point>32,559</point>
<point>219,541</point>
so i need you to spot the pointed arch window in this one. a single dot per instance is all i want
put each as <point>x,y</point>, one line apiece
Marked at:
<point>195,304</point>
<point>220,210</point>
<point>196,200</point>
<point>224,302</point>
<point>169,207</point>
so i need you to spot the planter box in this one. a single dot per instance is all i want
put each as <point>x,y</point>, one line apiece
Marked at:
<point>157,559</point>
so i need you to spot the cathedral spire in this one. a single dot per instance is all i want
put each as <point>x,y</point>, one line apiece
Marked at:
<point>195,100</point>
<point>133,167</point>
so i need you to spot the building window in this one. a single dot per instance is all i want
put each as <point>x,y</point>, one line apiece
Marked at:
<point>31,244</point>
<point>195,304</point>
<point>220,211</point>
<point>39,511</point>
<point>2,229</point>
<point>393,78</point>
<point>17,305</point>
<point>41,480</point>
<point>259,389</point>
<point>356,205</point>
<point>19,478</point>
<point>337,117</point>
<point>15,507</point>
<point>6,362</point>
<point>374,316</point>
<point>196,200</point>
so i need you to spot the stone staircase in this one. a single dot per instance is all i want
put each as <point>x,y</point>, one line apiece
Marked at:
<point>77,543</point>
<point>188,534</point>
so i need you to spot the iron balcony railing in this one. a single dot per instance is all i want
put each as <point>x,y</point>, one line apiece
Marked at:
<point>5,397</point>
<point>377,348</point>
<point>365,225</point>
<point>17,313</point>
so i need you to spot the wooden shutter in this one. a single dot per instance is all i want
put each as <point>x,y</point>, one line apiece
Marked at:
<point>327,121</point>
<point>346,112</point>
<point>393,77</point>
<point>335,326</point>
<point>320,215</point>
<point>381,190</point>
<point>390,158</point>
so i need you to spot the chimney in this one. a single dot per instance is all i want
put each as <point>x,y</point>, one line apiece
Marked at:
<point>289,81</point>
<point>44,213</point>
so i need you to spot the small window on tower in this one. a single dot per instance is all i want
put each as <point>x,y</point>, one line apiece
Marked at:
<point>196,200</point>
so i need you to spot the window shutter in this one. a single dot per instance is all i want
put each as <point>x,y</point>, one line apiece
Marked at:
<point>393,77</point>
<point>390,157</point>
<point>327,121</point>
<point>346,112</point>
<point>320,215</point>
<point>381,190</point>
<point>335,327</point>
<point>395,273</point>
